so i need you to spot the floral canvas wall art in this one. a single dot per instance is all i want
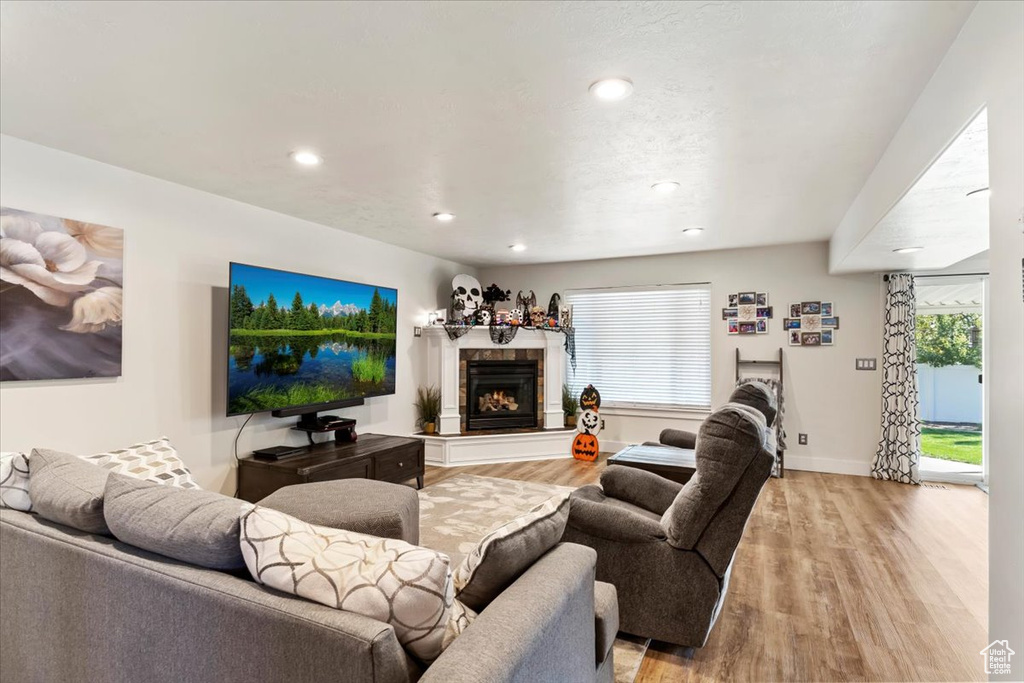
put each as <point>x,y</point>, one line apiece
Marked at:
<point>61,292</point>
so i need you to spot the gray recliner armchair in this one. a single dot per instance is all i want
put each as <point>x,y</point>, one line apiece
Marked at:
<point>754,394</point>
<point>668,548</point>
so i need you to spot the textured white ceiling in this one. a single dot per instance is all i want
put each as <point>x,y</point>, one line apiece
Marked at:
<point>771,115</point>
<point>936,212</point>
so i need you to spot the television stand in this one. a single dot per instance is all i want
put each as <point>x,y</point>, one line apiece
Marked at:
<point>344,428</point>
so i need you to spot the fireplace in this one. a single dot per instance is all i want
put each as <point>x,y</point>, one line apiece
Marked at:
<point>501,394</point>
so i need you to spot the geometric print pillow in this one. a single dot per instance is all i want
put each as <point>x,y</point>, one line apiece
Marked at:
<point>155,461</point>
<point>14,482</point>
<point>383,578</point>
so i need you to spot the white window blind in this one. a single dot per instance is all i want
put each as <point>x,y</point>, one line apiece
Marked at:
<point>648,347</point>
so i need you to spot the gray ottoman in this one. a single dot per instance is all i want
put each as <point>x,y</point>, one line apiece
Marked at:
<point>361,505</point>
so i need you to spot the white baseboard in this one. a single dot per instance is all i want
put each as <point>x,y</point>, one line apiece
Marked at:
<point>805,463</point>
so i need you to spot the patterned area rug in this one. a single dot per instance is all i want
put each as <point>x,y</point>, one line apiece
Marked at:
<point>456,513</point>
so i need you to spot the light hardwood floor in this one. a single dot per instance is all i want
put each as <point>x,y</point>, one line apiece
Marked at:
<point>837,578</point>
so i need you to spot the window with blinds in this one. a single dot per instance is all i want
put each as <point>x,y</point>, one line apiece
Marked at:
<point>644,347</point>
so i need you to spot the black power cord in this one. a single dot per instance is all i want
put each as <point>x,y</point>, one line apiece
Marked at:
<point>236,444</point>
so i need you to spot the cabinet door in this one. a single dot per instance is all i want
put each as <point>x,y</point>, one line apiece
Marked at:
<point>350,469</point>
<point>399,464</point>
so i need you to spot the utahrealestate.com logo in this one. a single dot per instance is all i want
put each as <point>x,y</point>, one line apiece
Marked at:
<point>997,657</point>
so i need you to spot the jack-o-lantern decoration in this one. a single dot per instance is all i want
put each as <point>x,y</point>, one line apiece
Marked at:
<point>590,399</point>
<point>584,447</point>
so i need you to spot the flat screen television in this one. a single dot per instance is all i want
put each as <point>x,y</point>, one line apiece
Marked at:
<point>299,343</point>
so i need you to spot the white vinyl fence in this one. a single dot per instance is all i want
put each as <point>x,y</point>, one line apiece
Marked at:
<point>949,394</point>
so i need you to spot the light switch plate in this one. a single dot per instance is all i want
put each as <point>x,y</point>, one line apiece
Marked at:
<point>867,364</point>
<point>802,439</point>
<point>417,331</point>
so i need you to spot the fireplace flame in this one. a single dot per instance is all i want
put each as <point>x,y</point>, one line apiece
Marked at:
<point>497,400</point>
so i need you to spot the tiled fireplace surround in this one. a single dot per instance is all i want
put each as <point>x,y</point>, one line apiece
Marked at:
<point>466,355</point>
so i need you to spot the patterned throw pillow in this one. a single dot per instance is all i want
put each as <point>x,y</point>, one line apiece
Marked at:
<point>153,461</point>
<point>508,551</point>
<point>386,579</point>
<point>14,482</point>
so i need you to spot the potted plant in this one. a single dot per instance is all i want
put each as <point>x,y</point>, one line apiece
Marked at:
<point>570,404</point>
<point>428,407</point>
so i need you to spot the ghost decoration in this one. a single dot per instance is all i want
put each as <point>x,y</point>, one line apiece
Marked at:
<point>467,296</point>
<point>585,446</point>
<point>589,422</point>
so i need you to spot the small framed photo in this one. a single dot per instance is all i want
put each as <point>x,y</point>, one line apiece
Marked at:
<point>826,308</point>
<point>762,325</point>
<point>764,311</point>
<point>748,328</point>
<point>748,298</point>
<point>830,321</point>
<point>810,339</point>
<point>810,308</point>
<point>827,337</point>
<point>791,323</point>
<point>794,311</point>
<point>728,313</point>
<point>734,300</point>
<point>794,337</point>
<point>734,326</point>
<point>762,298</point>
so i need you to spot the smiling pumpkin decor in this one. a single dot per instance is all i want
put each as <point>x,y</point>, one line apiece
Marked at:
<point>585,445</point>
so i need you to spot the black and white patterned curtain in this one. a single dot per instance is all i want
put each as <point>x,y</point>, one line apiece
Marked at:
<point>899,451</point>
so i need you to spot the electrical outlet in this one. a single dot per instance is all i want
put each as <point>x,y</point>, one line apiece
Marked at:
<point>802,439</point>
<point>866,364</point>
<point>417,331</point>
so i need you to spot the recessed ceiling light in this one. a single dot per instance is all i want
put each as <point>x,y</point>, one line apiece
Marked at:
<point>306,158</point>
<point>444,216</point>
<point>665,186</point>
<point>907,250</point>
<point>517,247</point>
<point>980,192</point>
<point>693,232</point>
<point>611,89</point>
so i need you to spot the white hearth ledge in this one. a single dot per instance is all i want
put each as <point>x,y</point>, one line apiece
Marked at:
<point>482,449</point>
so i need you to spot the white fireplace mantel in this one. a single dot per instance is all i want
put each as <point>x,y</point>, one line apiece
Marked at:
<point>443,369</point>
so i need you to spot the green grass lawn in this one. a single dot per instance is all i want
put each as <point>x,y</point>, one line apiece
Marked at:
<point>951,444</point>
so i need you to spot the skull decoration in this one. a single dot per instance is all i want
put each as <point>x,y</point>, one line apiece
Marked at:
<point>483,316</point>
<point>466,295</point>
<point>537,316</point>
<point>590,422</point>
<point>515,317</point>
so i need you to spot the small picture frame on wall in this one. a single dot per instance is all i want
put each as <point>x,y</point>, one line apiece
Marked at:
<point>826,338</point>
<point>826,308</point>
<point>734,300</point>
<point>762,325</point>
<point>748,327</point>
<point>748,298</point>
<point>810,339</point>
<point>794,337</point>
<point>734,326</point>
<point>762,298</point>
<point>791,323</point>
<point>764,311</point>
<point>794,311</point>
<point>729,313</point>
<point>830,322</point>
<point>810,308</point>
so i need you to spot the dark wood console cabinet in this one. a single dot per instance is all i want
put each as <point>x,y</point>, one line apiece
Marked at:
<point>373,456</point>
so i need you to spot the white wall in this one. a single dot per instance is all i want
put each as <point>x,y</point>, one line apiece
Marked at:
<point>983,68</point>
<point>949,394</point>
<point>178,244</point>
<point>836,405</point>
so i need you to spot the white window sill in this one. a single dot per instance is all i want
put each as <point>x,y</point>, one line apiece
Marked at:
<point>667,412</point>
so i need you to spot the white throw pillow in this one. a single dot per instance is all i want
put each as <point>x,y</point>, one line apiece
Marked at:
<point>155,461</point>
<point>383,578</point>
<point>14,482</point>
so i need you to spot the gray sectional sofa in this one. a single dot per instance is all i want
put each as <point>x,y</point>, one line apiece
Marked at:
<point>77,606</point>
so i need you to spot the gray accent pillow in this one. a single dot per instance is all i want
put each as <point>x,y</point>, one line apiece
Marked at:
<point>67,490</point>
<point>191,525</point>
<point>504,554</point>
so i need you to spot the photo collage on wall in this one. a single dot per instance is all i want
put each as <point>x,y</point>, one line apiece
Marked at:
<point>811,323</point>
<point>747,313</point>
